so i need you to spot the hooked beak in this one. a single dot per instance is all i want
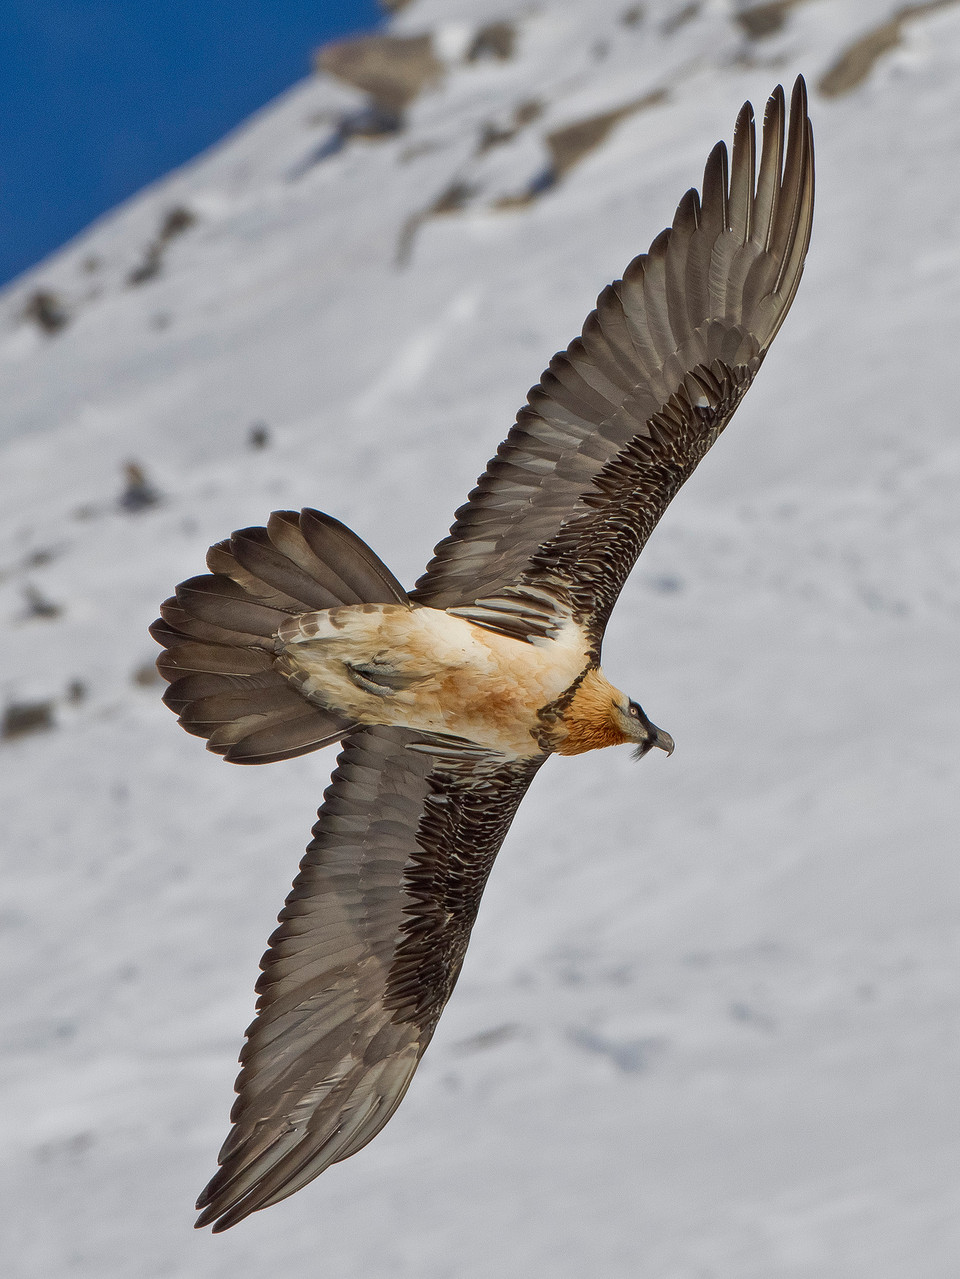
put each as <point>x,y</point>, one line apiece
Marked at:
<point>660,738</point>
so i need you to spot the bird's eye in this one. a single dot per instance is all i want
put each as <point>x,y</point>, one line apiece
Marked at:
<point>634,710</point>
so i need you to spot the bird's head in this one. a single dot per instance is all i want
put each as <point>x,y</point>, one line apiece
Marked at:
<point>600,715</point>
<point>636,727</point>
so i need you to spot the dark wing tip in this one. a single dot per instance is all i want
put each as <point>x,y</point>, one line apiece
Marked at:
<point>715,186</point>
<point>775,104</point>
<point>744,121</point>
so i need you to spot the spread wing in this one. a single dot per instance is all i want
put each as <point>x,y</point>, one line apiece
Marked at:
<point>622,417</point>
<point>369,947</point>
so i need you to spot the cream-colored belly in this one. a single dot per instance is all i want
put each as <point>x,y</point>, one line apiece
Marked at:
<point>440,673</point>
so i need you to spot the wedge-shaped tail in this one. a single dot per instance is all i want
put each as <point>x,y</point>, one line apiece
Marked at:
<point>219,633</point>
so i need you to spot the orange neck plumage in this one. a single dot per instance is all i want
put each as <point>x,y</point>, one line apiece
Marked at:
<point>588,722</point>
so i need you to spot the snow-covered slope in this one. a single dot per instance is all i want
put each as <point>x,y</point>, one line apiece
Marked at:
<point>708,1023</point>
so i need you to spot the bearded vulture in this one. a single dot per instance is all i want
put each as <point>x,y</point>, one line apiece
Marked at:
<point>448,698</point>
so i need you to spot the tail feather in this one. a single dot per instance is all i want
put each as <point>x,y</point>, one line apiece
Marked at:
<point>223,602</point>
<point>180,620</point>
<point>255,557</point>
<point>220,631</point>
<point>286,740</point>
<point>222,559</point>
<point>351,560</point>
<point>335,557</point>
<point>201,685</point>
<point>277,700</point>
<point>189,657</point>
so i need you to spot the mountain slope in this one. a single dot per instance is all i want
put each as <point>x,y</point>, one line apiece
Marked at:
<point>708,1020</point>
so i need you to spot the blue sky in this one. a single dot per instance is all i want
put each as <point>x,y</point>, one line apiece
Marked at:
<point>99,97</point>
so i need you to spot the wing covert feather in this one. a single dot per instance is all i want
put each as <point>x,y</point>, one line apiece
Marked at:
<point>704,303</point>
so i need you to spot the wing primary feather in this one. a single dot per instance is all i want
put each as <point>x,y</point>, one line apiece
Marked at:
<point>714,214</point>
<point>743,174</point>
<point>771,165</point>
<point>797,166</point>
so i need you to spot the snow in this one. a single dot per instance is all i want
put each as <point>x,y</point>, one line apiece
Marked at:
<point>708,1022</point>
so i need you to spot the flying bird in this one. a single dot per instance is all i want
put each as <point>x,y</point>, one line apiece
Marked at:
<point>450,697</point>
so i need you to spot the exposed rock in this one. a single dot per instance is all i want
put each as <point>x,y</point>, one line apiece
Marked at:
<point>146,675</point>
<point>21,718</point>
<point>259,436</point>
<point>451,200</point>
<point>858,59</point>
<point>496,40</point>
<point>541,182</point>
<point>138,493</point>
<point>519,200</point>
<point>392,69</point>
<point>569,145</point>
<point>765,19</point>
<point>418,149</point>
<point>76,692</point>
<point>47,310</point>
<point>680,18</point>
<point>488,1038</point>
<point>175,222</point>
<point>39,607</point>
<point>370,121</point>
<point>41,556</point>
<point>149,267</point>
<point>494,134</point>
